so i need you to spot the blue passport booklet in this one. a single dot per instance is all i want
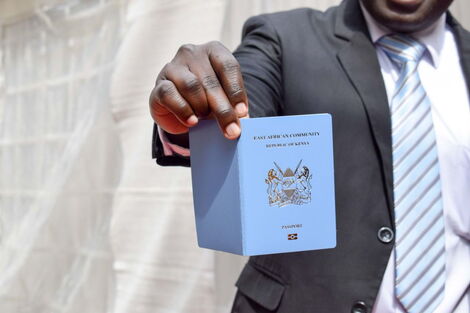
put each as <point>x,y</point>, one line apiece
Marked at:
<point>270,191</point>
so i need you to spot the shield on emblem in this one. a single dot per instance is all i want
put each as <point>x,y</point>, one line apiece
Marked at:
<point>288,183</point>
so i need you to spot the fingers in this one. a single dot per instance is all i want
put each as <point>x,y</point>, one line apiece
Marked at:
<point>169,109</point>
<point>220,107</point>
<point>189,86</point>
<point>219,73</point>
<point>228,71</point>
<point>201,81</point>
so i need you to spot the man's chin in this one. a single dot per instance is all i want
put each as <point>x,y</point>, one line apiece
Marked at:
<point>406,23</point>
<point>406,15</point>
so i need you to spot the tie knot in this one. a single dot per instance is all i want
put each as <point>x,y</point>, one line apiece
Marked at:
<point>402,48</point>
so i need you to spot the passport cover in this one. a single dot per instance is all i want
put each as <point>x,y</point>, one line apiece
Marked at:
<point>270,191</point>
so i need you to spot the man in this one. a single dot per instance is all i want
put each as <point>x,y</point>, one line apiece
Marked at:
<point>395,76</point>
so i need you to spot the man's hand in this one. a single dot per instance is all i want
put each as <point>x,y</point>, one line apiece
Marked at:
<point>202,81</point>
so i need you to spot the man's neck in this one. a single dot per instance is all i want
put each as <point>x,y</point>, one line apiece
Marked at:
<point>432,36</point>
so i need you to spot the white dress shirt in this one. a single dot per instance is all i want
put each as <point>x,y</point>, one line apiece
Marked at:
<point>444,82</point>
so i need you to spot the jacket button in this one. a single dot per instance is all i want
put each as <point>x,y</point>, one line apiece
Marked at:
<point>385,235</point>
<point>359,307</point>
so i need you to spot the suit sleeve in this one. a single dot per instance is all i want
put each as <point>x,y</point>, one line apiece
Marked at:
<point>259,55</point>
<point>159,155</point>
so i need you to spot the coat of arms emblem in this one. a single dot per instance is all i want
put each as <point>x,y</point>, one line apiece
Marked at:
<point>289,187</point>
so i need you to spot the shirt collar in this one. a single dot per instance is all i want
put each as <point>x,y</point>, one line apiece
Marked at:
<point>432,37</point>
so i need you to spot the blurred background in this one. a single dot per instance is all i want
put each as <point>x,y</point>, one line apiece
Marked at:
<point>88,222</point>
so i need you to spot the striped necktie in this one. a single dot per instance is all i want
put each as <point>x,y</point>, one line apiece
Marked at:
<point>419,221</point>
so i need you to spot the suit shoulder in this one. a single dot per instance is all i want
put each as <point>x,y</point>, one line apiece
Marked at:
<point>296,20</point>
<point>300,14</point>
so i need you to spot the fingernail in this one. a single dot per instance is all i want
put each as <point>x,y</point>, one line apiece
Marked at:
<point>240,108</point>
<point>192,120</point>
<point>233,130</point>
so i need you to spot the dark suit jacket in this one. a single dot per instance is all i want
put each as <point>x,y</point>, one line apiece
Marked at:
<point>304,61</point>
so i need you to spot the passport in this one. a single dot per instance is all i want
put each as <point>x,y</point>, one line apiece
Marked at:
<point>270,191</point>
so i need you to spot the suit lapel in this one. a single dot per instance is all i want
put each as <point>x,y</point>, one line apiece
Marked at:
<point>462,38</point>
<point>359,60</point>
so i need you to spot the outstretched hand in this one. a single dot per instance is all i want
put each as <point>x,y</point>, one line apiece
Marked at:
<point>202,81</point>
